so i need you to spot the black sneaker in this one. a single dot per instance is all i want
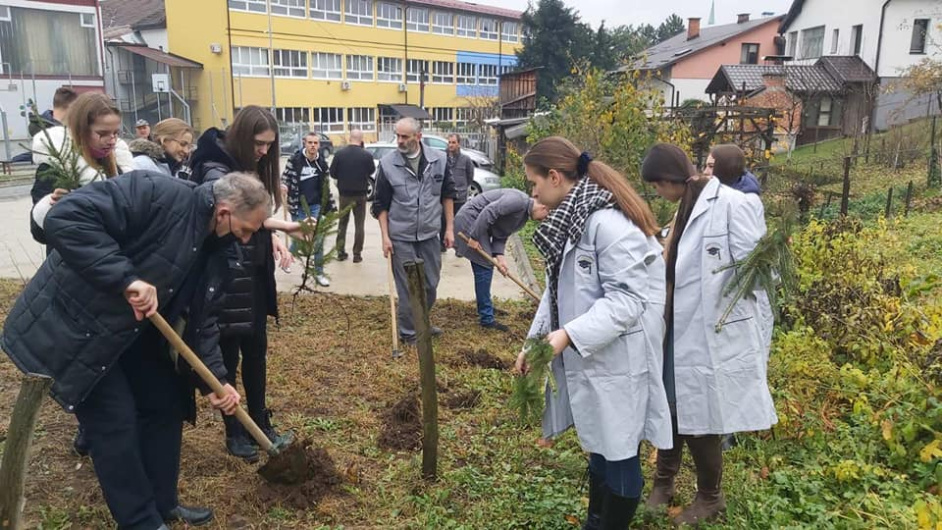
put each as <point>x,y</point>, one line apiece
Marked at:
<point>342,256</point>
<point>241,446</point>
<point>495,326</point>
<point>80,443</point>
<point>357,258</point>
<point>190,515</point>
<point>264,423</point>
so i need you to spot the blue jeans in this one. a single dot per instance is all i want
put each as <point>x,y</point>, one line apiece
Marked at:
<point>623,477</point>
<point>482,291</point>
<point>318,241</point>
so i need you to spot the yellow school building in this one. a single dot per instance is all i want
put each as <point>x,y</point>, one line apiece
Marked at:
<point>336,65</point>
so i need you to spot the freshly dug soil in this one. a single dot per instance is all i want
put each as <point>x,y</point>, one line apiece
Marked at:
<point>402,425</point>
<point>320,477</point>
<point>464,400</point>
<point>483,358</point>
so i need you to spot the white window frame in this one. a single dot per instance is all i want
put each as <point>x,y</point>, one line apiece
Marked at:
<point>465,72</point>
<point>289,8</point>
<point>440,29</point>
<point>467,31</point>
<point>509,36</point>
<point>804,51</point>
<point>825,113</point>
<point>389,70</point>
<point>5,14</point>
<point>491,34</point>
<point>443,73</point>
<point>332,70</point>
<point>249,52</point>
<point>792,48</point>
<point>326,10</point>
<point>259,6</point>
<point>291,71</point>
<point>505,68</point>
<point>357,18</point>
<point>916,36</point>
<point>412,74</point>
<point>443,115</point>
<point>281,114</point>
<point>385,21</point>
<point>463,115</point>
<point>82,20</point>
<point>417,19</point>
<point>357,120</point>
<point>356,70</point>
<point>487,74</point>
<point>835,40</point>
<point>325,119</point>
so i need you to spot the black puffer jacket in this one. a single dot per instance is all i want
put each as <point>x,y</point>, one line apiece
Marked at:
<point>72,321</point>
<point>252,294</point>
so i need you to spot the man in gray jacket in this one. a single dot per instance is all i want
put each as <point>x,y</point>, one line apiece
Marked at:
<point>462,172</point>
<point>414,192</point>
<point>488,220</point>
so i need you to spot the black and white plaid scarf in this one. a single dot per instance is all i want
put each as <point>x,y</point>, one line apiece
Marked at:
<point>567,222</point>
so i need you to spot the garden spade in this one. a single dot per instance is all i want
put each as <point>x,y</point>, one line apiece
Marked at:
<point>493,261</point>
<point>392,310</point>
<point>287,463</point>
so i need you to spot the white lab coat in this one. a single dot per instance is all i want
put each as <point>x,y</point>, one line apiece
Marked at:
<point>611,302</point>
<point>720,376</point>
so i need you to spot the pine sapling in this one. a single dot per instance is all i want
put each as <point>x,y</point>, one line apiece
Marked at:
<point>63,168</point>
<point>314,236</point>
<point>527,398</point>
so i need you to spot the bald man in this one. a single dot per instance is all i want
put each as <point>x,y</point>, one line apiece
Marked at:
<point>351,168</point>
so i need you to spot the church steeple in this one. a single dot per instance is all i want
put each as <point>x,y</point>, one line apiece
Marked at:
<point>712,20</point>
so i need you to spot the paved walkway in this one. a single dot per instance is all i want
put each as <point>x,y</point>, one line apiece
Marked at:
<point>20,256</point>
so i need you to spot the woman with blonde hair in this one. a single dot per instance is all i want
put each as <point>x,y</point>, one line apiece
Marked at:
<point>168,152</point>
<point>602,312</point>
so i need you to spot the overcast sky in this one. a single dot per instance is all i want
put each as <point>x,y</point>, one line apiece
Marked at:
<point>618,12</point>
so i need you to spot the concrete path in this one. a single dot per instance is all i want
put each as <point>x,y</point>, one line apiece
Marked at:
<point>20,256</point>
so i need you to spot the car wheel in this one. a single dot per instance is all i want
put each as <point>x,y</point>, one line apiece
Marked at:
<point>370,189</point>
<point>473,189</point>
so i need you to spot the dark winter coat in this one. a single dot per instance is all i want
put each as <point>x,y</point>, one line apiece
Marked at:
<point>352,167</point>
<point>43,121</point>
<point>252,294</point>
<point>304,177</point>
<point>72,321</point>
<point>151,156</point>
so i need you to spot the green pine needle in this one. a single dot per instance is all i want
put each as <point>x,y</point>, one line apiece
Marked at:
<point>527,398</point>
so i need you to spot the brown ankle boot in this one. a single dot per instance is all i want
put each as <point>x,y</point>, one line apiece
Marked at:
<point>709,504</point>
<point>668,464</point>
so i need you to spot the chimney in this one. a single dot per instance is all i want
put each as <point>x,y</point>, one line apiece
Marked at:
<point>742,17</point>
<point>693,28</point>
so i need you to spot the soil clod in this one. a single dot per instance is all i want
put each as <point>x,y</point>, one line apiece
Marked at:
<point>402,425</point>
<point>464,400</point>
<point>288,488</point>
<point>483,359</point>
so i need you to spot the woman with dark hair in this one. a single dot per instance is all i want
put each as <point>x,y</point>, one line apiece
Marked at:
<point>250,144</point>
<point>714,372</point>
<point>602,313</point>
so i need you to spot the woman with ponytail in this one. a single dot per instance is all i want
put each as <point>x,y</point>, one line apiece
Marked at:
<point>602,313</point>
<point>714,372</point>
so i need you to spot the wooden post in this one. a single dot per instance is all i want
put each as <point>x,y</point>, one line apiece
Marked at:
<point>889,204</point>
<point>845,193</point>
<point>909,198</point>
<point>16,449</point>
<point>415,274</point>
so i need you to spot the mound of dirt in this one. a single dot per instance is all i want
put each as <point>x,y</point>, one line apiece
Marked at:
<point>483,359</point>
<point>464,400</point>
<point>402,425</point>
<point>320,477</point>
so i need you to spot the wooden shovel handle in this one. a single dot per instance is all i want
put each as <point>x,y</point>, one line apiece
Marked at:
<point>194,361</point>
<point>493,261</point>
<point>392,304</point>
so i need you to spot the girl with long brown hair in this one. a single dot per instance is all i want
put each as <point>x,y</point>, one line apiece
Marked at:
<point>602,312</point>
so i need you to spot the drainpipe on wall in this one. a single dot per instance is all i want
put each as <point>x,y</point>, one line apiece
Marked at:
<point>876,63</point>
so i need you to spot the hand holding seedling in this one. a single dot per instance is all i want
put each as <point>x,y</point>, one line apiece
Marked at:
<point>143,298</point>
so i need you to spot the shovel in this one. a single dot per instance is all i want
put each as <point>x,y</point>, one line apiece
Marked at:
<point>396,353</point>
<point>493,261</point>
<point>287,464</point>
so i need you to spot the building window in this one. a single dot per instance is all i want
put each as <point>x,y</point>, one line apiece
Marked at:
<point>835,37</point>
<point>792,44</point>
<point>363,118</point>
<point>417,19</point>
<point>416,68</point>
<point>359,68</point>
<point>250,61</point>
<point>463,115</point>
<point>328,119</point>
<point>293,115</point>
<point>443,115</point>
<point>507,68</point>
<point>466,74</point>
<point>290,8</point>
<point>289,63</point>
<point>389,69</point>
<point>920,29</point>
<point>749,54</point>
<point>824,112</point>
<point>41,42</point>
<point>388,16</point>
<point>252,6</point>
<point>467,26</point>
<point>443,73</point>
<point>443,23</point>
<point>509,30</point>
<point>812,42</point>
<point>487,74</point>
<point>326,65</point>
<point>856,38</point>
<point>488,29</point>
<point>325,10</point>
<point>359,12</point>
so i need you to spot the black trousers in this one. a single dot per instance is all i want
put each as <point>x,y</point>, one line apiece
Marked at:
<point>254,349</point>
<point>133,421</point>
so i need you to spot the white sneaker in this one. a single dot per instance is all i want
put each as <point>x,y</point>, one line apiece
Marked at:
<point>323,281</point>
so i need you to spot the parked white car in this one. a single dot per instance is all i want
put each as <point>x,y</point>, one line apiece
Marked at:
<point>479,158</point>
<point>484,180</point>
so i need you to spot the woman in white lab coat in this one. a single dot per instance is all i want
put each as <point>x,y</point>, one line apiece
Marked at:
<point>602,312</point>
<point>714,372</point>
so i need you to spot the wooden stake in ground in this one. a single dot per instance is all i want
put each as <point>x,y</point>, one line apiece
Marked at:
<point>845,192</point>
<point>16,449</point>
<point>415,274</point>
<point>494,262</point>
<point>396,353</point>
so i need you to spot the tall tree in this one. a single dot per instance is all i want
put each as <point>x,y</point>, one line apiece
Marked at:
<point>671,26</point>
<point>604,55</point>
<point>555,39</point>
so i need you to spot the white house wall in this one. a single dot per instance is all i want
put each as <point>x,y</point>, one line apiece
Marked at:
<point>156,38</point>
<point>898,32</point>
<point>692,89</point>
<point>841,15</point>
